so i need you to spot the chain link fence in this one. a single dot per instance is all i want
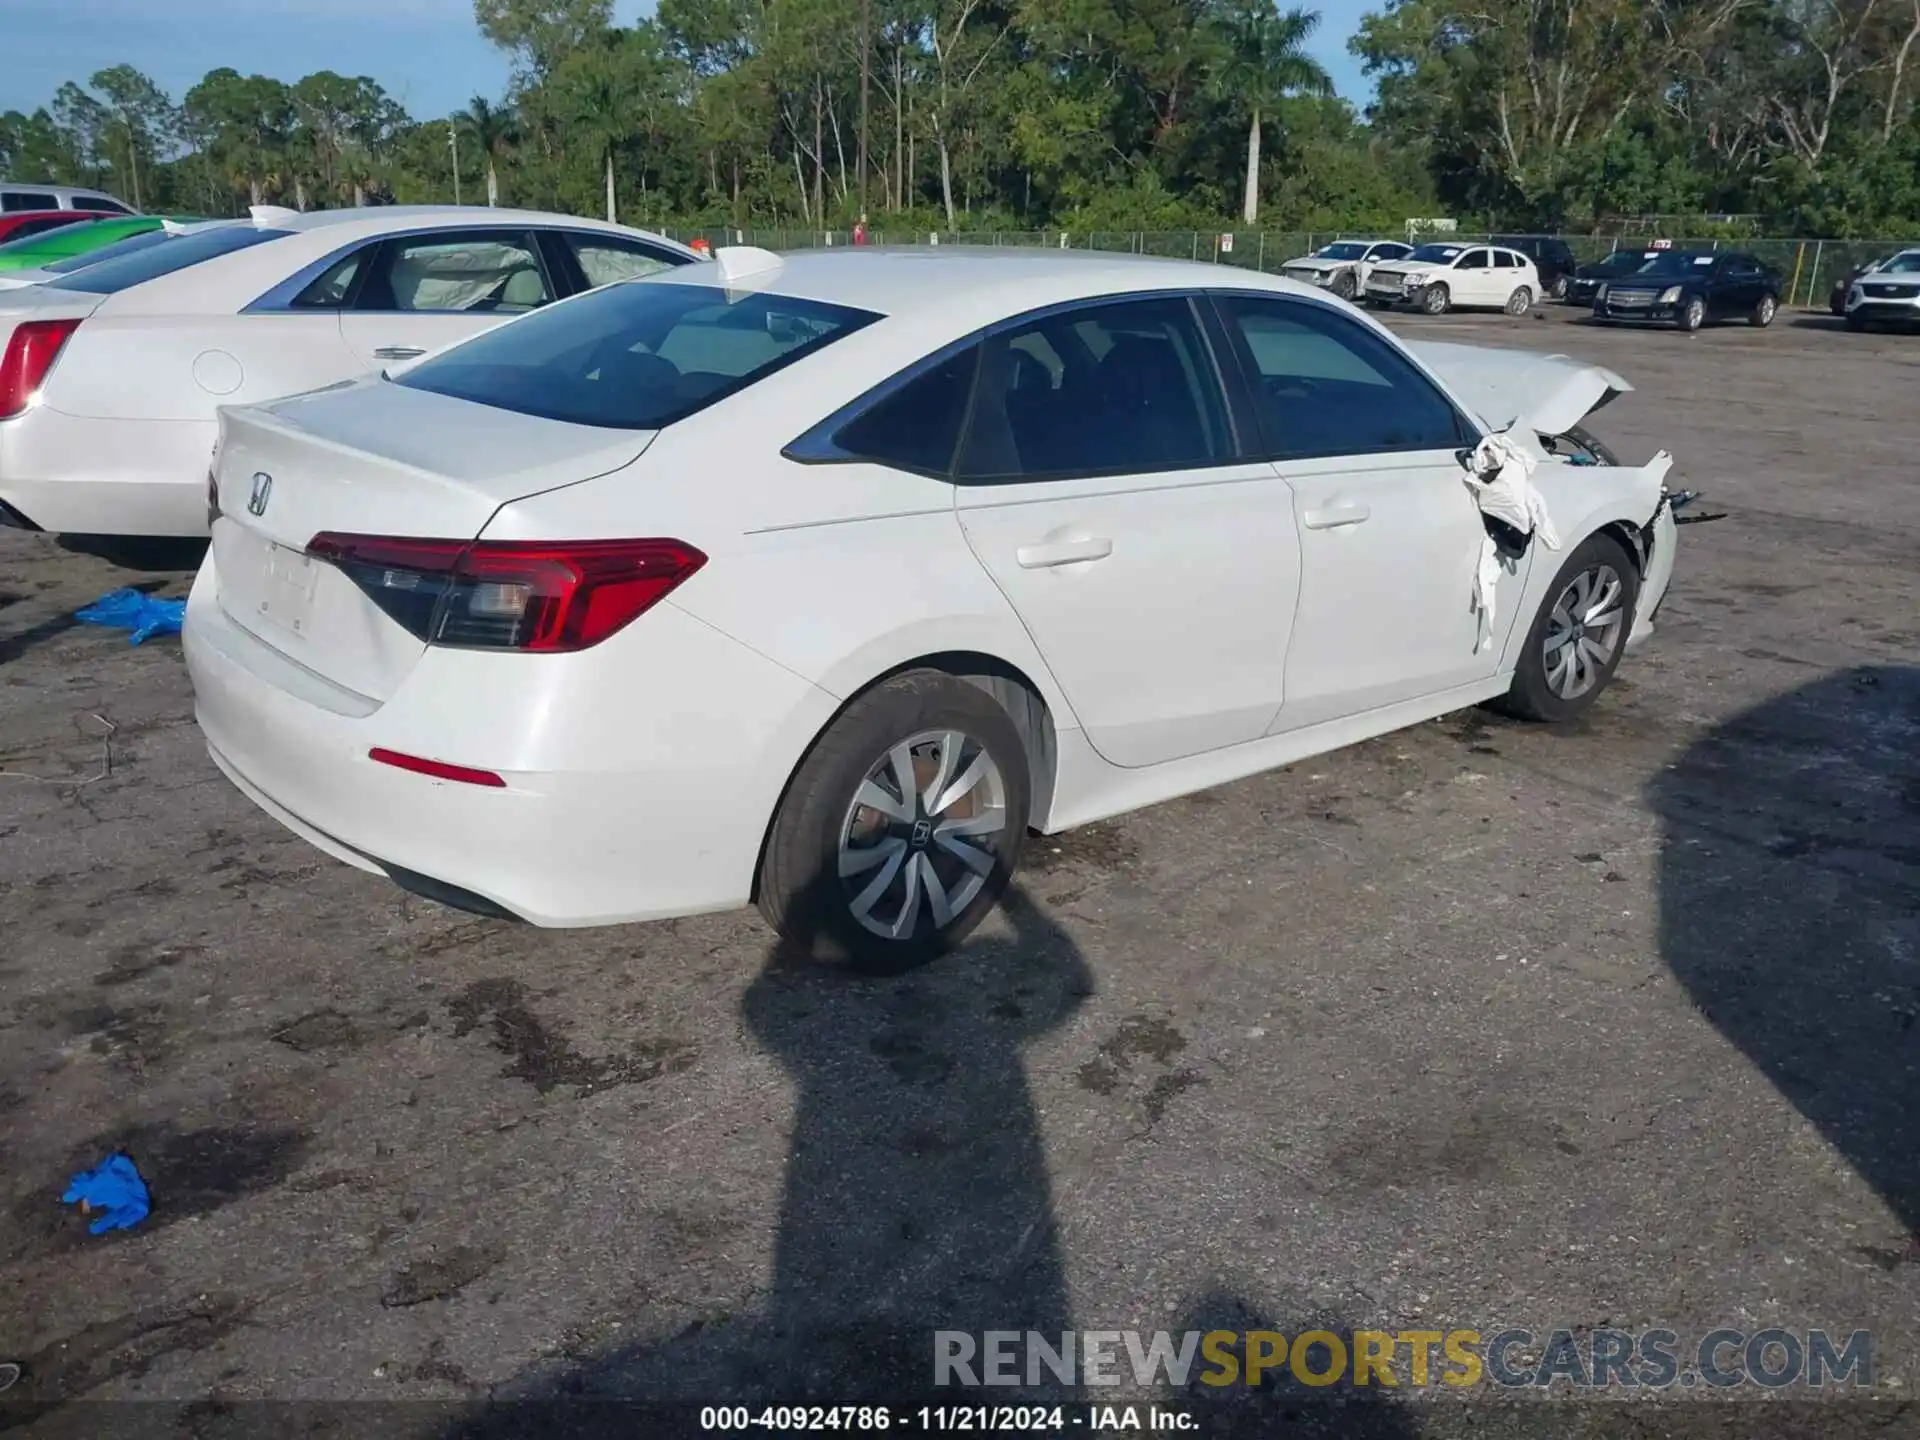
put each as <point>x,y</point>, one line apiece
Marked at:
<point>1808,268</point>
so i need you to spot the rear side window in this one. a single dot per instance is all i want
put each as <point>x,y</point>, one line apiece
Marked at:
<point>28,200</point>
<point>635,357</point>
<point>1324,385</point>
<point>606,259</point>
<point>329,292</point>
<point>917,427</point>
<point>1109,388</point>
<point>110,277</point>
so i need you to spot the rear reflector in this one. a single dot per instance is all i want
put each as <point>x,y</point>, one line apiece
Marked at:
<point>529,595</point>
<point>438,769</point>
<point>31,351</point>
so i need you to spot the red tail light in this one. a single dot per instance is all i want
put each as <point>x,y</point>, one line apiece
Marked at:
<point>31,351</point>
<point>530,595</point>
<point>438,769</point>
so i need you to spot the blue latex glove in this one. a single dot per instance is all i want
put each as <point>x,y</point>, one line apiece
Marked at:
<point>134,610</point>
<point>115,1187</point>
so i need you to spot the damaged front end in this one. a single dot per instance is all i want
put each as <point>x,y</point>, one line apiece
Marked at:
<point>1541,401</point>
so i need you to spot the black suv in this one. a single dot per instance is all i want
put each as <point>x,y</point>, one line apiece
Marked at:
<point>1550,257</point>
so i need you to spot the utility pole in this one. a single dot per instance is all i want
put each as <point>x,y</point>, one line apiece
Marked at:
<point>453,140</point>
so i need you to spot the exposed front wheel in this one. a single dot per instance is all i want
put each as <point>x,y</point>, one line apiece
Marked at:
<point>1434,300</point>
<point>1345,286</point>
<point>901,828</point>
<point>1695,315</point>
<point>1559,291</point>
<point>1763,312</point>
<point>1520,301</point>
<point>1576,641</point>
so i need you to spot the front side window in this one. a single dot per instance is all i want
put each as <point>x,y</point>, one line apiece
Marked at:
<point>100,202</point>
<point>635,357</point>
<point>607,259</point>
<point>110,277</point>
<point>1109,388</point>
<point>1325,385</point>
<point>458,272</point>
<point>1473,260</point>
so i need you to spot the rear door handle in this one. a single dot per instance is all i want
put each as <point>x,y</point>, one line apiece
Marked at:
<point>398,352</point>
<point>1335,516</point>
<point>1063,552</point>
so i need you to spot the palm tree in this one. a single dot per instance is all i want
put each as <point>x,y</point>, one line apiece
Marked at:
<point>492,128</point>
<point>1266,62</point>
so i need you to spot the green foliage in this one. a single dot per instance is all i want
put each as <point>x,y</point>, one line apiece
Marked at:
<point>1083,115</point>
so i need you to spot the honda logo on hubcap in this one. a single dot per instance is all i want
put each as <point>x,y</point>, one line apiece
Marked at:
<point>262,492</point>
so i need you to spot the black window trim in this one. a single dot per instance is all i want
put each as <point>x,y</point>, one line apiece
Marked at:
<point>817,445</point>
<point>1468,431</point>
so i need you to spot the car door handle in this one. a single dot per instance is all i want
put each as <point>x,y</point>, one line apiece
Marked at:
<point>398,352</point>
<point>1335,516</point>
<point>1063,552</point>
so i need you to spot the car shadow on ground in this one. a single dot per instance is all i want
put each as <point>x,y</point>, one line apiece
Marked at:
<point>135,552</point>
<point>1790,863</point>
<point>916,1199</point>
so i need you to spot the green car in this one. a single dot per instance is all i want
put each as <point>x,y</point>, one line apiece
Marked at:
<point>82,241</point>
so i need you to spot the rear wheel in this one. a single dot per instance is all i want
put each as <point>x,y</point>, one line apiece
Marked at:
<point>1520,301</point>
<point>1435,299</point>
<point>1763,312</point>
<point>902,826</point>
<point>1694,316</point>
<point>1577,639</point>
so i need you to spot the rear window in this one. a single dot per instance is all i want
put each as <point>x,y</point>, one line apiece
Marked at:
<point>635,356</point>
<point>110,277</point>
<point>132,245</point>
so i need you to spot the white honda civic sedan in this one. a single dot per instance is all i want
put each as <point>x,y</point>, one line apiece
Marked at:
<point>111,375</point>
<point>821,582</point>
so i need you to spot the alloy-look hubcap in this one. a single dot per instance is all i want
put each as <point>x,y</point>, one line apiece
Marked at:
<point>923,834</point>
<point>1583,631</point>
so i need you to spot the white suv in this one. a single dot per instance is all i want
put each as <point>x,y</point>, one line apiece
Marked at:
<point>1887,296</point>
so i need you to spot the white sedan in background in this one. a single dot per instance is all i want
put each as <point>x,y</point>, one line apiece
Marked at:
<point>819,582</point>
<point>1343,266</point>
<point>1437,278</point>
<point>111,375</point>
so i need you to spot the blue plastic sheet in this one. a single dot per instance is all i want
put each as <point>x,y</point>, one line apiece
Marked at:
<point>136,611</point>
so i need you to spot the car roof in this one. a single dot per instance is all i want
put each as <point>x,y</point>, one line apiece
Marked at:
<point>399,217</point>
<point>988,282</point>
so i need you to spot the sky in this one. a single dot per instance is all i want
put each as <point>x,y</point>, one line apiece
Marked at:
<point>428,54</point>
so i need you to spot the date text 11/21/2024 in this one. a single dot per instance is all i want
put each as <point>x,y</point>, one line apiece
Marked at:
<point>945,1419</point>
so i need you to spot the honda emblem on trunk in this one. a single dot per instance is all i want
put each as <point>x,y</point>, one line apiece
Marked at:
<point>262,492</point>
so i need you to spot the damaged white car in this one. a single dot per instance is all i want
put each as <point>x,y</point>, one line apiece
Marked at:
<point>823,582</point>
<point>1343,266</point>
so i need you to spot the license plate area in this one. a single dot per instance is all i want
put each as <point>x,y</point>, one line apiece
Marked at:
<point>284,595</point>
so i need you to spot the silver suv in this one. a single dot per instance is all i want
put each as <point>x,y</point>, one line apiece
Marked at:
<point>1889,295</point>
<point>15,196</point>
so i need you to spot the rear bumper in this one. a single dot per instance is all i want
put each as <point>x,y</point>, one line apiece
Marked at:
<point>75,476</point>
<point>621,803</point>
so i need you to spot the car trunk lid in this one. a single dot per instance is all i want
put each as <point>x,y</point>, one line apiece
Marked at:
<point>1549,394</point>
<point>370,458</point>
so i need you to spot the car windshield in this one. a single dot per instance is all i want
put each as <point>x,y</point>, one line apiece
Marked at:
<point>1673,262</point>
<point>1907,262</point>
<point>1436,254</point>
<point>1341,250</point>
<point>136,267</point>
<point>636,355</point>
<point>1623,261</point>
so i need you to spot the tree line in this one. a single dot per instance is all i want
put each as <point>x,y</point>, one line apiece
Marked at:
<point>1076,114</point>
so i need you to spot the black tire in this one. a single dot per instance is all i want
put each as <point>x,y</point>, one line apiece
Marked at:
<point>1856,321</point>
<point>1693,316</point>
<point>1434,300</point>
<point>1559,290</point>
<point>800,890</point>
<point>1345,286</point>
<point>1520,301</point>
<point>1764,309</point>
<point>1532,697</point>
